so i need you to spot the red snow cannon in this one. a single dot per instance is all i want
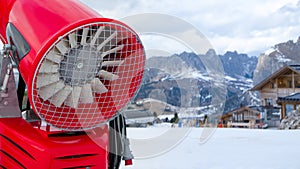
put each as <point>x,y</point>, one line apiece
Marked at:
<point>78,70</point>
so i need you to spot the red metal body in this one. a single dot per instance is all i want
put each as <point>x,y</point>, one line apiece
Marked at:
<point>22,146</point>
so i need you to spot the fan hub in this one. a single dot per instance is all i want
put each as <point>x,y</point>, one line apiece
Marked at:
<point>79,65</point>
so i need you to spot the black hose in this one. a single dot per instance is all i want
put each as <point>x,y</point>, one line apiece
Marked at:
<point>21,91</point>
<point>117,131</point>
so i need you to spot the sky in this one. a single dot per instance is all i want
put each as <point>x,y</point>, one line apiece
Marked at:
<point>250,27</point>
<point>245,26</point>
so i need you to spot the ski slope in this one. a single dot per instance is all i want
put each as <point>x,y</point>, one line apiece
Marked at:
<point>226,149</point>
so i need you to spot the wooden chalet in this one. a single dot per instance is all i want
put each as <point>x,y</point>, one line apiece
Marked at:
<point>282,88</point>
<point>138,117</point>
<point>242,117</point>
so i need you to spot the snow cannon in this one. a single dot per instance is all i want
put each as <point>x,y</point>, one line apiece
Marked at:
<point>78,71</point>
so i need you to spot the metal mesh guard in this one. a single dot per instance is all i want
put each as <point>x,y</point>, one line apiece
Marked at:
<point>88,75</point>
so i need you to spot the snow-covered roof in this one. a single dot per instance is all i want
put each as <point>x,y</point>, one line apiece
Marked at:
<point>291,98</point>
<point>242,109</point>
<point>132,114</point>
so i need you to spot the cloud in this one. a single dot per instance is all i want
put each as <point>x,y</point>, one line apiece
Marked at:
<point>162,46</point>
<point>246,26</point>
<point>170,27</point>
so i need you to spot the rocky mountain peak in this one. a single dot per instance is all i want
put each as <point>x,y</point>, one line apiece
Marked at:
<point>238,65</point>
<point>298,40</point>
<point>276,57</point>
<point>211,52</point>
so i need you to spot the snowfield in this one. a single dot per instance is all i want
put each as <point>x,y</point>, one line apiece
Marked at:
<point>226,149</point>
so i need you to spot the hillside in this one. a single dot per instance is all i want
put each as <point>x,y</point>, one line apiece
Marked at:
<point>182,80</point>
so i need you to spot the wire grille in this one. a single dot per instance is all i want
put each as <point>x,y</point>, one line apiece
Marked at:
<point>88,75</point>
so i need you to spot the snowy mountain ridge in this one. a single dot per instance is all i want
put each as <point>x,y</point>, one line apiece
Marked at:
<point>182,80</point>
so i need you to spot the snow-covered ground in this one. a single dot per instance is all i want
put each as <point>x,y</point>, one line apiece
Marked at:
<point>226,149</point>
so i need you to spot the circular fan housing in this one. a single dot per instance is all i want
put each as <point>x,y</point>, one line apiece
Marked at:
<point>81,69</point>
<point>88,75</point>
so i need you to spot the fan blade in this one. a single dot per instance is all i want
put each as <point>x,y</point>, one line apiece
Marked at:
<point>98,86</point>
<point>54,57</point>
<point>112,63</point>
<point>87,94</point>
<point>73,99</point>
<point>100,29</point>
<point>61,96</point>
<point>113,50</point>
<point>106,41</point>
<point>46,79</point>
<point>49,67</point>
<point>108,75</point>
<point>84,36</point>
<point>62,46</point>
<point>48,91</point>
<point>72,40</point>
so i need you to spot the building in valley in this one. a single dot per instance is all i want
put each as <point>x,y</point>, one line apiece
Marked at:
<point>280,90</point>
<point>246,117</point>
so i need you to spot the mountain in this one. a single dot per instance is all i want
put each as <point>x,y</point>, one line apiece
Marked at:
<point>183,80</point>
<point>238,65</point>
<point>276,57</point>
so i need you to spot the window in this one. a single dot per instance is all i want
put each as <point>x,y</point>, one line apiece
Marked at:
<point>281,83</point>
<point>290,84</point>
<point>272,85</point>
<point>297,84</point>
<point>268,101</point>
